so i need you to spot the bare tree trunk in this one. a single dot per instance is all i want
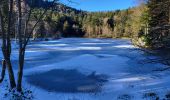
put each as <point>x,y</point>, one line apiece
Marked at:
<point>21,52</point>
<point>20,70</point>
<point>3,70</point>
<point>23,40</point>
<point>11,74</point>
<point>169,11</point>
<point>3,45</point>
<point>8,47</point>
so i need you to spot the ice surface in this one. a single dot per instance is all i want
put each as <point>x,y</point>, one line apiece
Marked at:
<point>117,59</point>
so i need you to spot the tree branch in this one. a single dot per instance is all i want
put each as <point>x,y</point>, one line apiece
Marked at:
<point>39,19</point>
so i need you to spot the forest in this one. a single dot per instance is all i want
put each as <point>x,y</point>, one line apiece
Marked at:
<point>140,23</point>
<point>50,50</point>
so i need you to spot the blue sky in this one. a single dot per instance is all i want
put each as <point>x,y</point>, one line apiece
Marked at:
<point>100,5</point>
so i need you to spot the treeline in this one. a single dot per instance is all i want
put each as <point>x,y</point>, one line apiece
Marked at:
<point>148,24</point>
<point>115,24</point>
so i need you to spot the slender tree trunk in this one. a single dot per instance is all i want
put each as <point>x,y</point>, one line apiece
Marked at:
<point>11,74</point>
<point>8,49</point>
<point>169,11</point>
<point>20,71</point>
<point>3,45</point>
<point>21,49</point>
<point>6,45</point>
<point>3,70</point>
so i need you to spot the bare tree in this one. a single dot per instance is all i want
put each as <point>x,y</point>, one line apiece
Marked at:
<point>24,35</point>
<point>3,45</point>
<point>6,43</point>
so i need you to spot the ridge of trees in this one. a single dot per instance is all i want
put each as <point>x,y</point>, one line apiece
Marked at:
<point>147,24</point>
<point>111,24</point>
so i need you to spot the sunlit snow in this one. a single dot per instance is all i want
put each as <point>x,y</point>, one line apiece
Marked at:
<point>117,59</point>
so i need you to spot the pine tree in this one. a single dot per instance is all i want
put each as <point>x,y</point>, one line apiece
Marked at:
<point>159,18</point>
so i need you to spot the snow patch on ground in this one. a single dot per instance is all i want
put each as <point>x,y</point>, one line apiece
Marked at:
<point>124,46</point>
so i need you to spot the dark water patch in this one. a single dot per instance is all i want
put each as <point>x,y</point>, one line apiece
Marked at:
<point>70,81</point>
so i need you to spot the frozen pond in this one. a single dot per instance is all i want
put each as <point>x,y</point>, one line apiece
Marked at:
<point>91,69</point>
